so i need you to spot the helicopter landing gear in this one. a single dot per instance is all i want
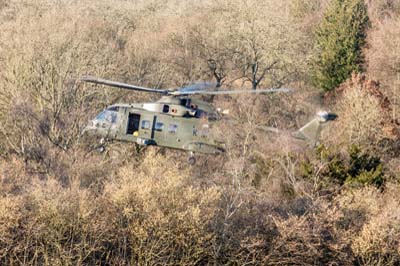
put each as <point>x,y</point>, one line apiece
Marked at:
<point>191,159</point>
<point>102,147</point>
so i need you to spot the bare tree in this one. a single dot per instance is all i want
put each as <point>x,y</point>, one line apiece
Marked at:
<point>261,41</point>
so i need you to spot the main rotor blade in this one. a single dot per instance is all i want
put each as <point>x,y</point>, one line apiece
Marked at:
<point>179,93</point>
<point>198,86</point>
<point>121,85</point>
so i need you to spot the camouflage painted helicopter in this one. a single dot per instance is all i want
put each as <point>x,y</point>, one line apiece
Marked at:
<point>176,120</point>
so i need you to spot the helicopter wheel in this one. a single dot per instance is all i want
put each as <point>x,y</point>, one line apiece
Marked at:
<point>101,149</point>
<point>192,160</point>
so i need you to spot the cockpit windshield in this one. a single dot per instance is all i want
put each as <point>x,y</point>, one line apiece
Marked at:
<point>107,116</point>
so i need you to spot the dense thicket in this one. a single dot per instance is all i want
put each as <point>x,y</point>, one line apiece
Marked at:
<point>267,201</point>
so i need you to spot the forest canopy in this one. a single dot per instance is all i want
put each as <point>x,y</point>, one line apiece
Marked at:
<point>267,200</point>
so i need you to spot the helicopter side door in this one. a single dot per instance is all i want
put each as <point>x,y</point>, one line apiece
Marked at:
<point>129,127</point>
<point>133,123</point>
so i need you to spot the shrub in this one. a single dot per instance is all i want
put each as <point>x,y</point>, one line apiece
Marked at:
<point>364,114</point>
<point>377,243</point>
<point>168,219</point>
<point>339,43</point>
<point>364,168</point>
<point>383,56</point>
<point>356,168</point>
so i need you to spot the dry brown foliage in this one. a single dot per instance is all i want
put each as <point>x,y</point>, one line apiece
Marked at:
<point>365,113</point>
<point>383,54</point>
<point>61,203</point>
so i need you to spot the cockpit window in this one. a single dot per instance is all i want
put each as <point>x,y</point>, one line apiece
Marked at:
<point>108,116</point>
<point>113,108</point>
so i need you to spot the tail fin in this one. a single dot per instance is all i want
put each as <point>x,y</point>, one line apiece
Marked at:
<point>312,130</point>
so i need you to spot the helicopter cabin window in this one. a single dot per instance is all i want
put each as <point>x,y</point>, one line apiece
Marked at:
<point>159,126</point>
<point>172,128</point>
<point>165,108</point>
<point>145,124</point>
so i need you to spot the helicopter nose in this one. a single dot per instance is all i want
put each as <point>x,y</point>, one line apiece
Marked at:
<point>90,127</point>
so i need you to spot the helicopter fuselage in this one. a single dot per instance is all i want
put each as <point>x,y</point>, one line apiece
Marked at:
<point>177,123</point>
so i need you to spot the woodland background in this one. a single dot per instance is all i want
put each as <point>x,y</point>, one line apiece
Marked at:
<point>268,200</point>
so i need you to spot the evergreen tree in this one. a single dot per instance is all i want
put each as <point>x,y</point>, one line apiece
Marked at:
<point>339,42</point>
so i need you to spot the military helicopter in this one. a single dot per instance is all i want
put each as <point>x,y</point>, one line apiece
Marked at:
<point>176,120</point>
